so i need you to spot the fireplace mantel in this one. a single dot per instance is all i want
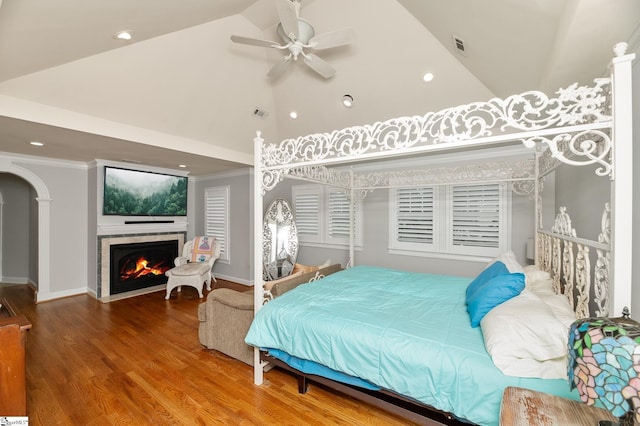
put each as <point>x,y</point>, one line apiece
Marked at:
<point>140,228</point>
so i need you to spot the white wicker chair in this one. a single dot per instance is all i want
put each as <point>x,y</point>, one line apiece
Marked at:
<point>188,272</point>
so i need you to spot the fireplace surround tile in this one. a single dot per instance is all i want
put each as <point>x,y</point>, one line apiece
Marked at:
<point>103,259</point>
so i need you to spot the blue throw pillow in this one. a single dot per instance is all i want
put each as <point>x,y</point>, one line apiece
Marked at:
<point>497,290</point>
<point>493,270</point>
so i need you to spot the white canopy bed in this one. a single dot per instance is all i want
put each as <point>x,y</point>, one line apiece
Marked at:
<point>581,126</point>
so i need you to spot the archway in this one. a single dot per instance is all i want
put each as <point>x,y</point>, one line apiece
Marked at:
<point>44,201</point>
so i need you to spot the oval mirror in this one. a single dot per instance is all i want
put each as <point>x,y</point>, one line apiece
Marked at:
<point>279,240</point>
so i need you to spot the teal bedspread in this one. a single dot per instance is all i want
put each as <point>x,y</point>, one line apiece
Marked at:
<point>407,332</point>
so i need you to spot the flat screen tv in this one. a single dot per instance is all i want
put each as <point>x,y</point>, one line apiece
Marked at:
<point>139,193</point>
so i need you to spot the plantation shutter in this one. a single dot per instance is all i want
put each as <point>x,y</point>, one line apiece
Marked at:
<point>339,212</point>
<point>476,215</point>
<point>414,213</point>
<point>217,217</point>
<point>306,205</point>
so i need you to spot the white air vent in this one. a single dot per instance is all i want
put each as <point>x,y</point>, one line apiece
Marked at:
<point>458,44</point>
<point>260,113</point>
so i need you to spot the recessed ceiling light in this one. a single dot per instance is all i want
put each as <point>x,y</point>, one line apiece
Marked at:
<point>427,77</point>
<point>36,143</point>
<point>293,115</point>
<point>182,166</point>
<point>347,100</point>
<point>123,35</point>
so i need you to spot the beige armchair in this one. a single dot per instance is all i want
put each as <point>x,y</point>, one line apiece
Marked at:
<point>193,268</point>
<point>226,315</point>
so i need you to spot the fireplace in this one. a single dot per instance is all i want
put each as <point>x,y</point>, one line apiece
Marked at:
<point>135,266</point>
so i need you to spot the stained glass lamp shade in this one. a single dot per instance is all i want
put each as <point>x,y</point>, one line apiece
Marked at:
<point>604,364</point>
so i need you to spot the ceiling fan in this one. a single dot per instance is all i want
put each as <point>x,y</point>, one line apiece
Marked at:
<point>297,35</point>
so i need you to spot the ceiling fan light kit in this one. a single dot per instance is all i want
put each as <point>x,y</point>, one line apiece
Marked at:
<point>298,34</point>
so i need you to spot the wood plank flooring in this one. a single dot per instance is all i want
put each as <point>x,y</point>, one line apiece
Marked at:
<point>138,361</point>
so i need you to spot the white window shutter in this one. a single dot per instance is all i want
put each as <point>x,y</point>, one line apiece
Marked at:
<point>476,213</point>
<point>415,215</point>
<point>216,206</point>
<point>339,213</point>
<point>306,207</point>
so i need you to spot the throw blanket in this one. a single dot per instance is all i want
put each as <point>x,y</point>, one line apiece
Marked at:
<point>203,248</point>
<point>407,332</point>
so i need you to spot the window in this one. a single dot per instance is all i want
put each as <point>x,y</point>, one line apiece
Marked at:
<point>216,217</point>
<point>415,218</point>
<point>466,220</point>
<point>475,213</point>
<point>339,216</point>
<point>322,215</point>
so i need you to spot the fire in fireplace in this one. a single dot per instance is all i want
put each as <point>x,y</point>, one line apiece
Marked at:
<point>140,265</point>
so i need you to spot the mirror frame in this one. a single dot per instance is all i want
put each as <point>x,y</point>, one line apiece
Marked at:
<point>275,264</point>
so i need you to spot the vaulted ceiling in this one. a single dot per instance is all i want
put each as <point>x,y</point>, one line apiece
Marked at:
<point>180,92</point>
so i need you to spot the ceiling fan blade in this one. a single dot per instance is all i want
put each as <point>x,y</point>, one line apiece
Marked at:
<point>279,68</point>
<point>288,13</point>
<point>333,39</point>
<point>253,41</point>
<point>320,66</point>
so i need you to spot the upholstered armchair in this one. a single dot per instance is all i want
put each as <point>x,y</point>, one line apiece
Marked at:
<point>193,268</point>
<point>227,314</point>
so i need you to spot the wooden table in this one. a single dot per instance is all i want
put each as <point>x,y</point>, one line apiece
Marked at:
<point>524,407</point>
<point>13,384</point>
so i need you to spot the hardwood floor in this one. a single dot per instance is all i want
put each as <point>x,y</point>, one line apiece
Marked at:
<point>138,361</point>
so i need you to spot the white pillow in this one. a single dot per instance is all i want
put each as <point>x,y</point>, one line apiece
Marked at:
<point>509,260</point>
<point>527,367</point>
<point>525,338</point>
<point>540,283</point>
<point>534,273</point>
<point>559,305</point>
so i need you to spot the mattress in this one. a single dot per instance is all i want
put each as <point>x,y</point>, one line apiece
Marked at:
<point>402,331</point>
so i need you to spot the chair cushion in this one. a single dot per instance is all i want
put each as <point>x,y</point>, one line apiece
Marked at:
<point>193,268</point>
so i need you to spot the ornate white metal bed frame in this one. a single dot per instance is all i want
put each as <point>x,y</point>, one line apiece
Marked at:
<point>581,126</point>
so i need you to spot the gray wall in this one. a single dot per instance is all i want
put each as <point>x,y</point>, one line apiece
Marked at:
<point>584,194</point>
<point>92,230</point>
<point>17,214</point>
<point>33,236</point>
<point>376,236</point>
<point>68,228</point>
<point>239,268</point>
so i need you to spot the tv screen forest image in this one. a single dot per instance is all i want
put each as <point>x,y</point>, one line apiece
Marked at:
<point>137,193</point>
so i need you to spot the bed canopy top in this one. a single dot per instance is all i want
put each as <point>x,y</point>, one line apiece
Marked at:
<point>573,128</point>
<point>576,127</point>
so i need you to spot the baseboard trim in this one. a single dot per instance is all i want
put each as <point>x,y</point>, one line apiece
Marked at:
<point>234,279</point>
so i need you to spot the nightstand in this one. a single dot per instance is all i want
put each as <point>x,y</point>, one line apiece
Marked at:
<point>525,407</point>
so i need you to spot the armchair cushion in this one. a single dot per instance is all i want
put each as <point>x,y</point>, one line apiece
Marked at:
<point>189,269</point>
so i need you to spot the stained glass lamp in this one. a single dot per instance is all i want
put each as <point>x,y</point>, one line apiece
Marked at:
<point>604,364</point>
